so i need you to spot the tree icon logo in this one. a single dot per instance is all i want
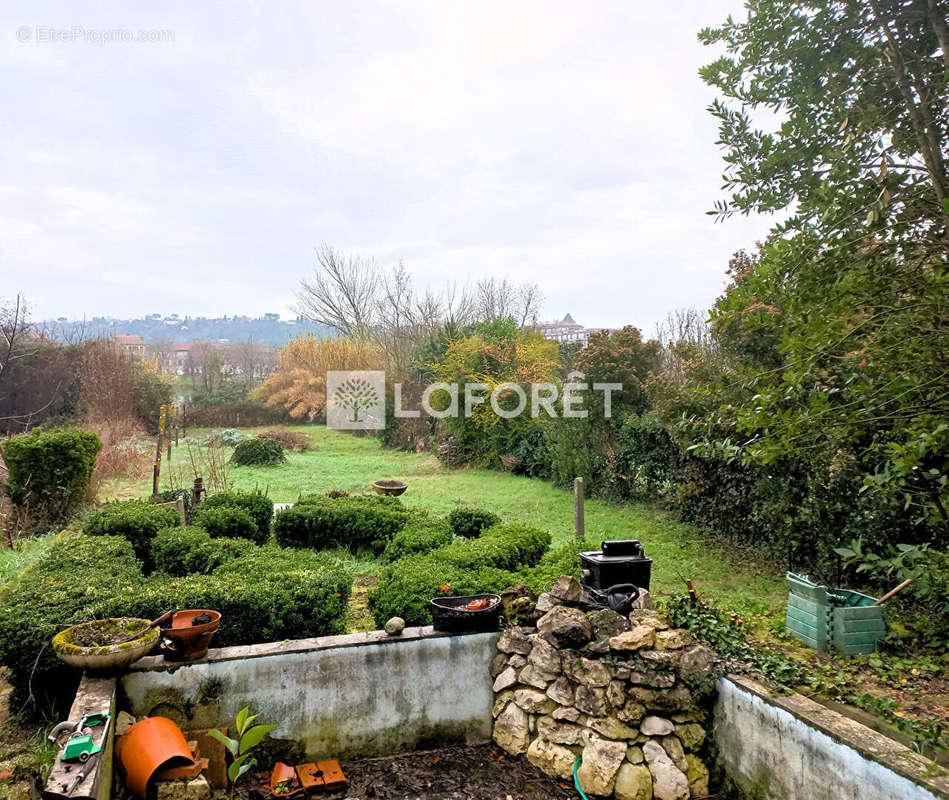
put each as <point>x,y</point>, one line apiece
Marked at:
<point>356,394</point>
<point>355,399</point>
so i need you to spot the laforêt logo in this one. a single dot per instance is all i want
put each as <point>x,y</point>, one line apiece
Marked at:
<point>355,399</point>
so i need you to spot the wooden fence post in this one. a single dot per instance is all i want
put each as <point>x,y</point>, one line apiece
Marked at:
<point>578,523</point>
<point>156,471</point>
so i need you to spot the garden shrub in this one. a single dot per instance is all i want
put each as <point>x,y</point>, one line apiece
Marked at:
<point>265,595</point>
<point>188,550</point>
<point>355,523</point>
<point>255,503</point>
<point>469,522</point>
<point>135,520</point>
<point>508,546</point>
<point>564,560</point>
<point>227,522</point>
<point>50,471</point>
<point>467,566</point>
<point>645,460</point>
<point>418,536</point>
<point>258,452</point>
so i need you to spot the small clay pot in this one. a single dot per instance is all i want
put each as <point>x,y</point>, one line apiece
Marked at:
<point>190,641</point>
<point>155,743</point>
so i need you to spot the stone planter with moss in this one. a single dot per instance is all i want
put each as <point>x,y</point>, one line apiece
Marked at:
<point>97,644</point>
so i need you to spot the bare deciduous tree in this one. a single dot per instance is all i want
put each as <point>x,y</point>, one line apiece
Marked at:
<point>14,330</point>
<point>687,326</point>
<point>500,298</point>
<point>358,299</point>
<point>342,293</point>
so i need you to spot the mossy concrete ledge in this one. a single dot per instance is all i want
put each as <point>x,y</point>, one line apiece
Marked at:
<point>784,746</point>
<point>332,696</point>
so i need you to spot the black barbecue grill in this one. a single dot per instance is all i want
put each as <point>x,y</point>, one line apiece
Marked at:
<point>618,561</point>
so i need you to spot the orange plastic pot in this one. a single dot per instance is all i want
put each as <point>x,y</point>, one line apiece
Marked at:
<point>151,745</point>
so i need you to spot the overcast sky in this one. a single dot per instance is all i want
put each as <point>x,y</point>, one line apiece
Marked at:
<point>563,143</point>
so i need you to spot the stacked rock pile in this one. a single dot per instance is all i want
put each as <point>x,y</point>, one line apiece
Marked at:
<point>613,689</point>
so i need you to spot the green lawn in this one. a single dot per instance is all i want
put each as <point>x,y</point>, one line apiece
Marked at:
<point>734,580</point>
<point>24,552</point>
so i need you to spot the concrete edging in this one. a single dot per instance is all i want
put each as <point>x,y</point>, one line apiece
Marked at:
<point>332,696</point>
<point>876,748</point>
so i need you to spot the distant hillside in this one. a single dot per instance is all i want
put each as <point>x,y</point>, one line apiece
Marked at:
<point>268,329</point>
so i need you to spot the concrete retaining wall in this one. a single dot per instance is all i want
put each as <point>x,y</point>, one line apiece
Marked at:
<point>338,696</point>
<point>786,747</point>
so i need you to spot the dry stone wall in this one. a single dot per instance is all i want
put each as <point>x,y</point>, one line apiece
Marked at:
<point>613,689</point>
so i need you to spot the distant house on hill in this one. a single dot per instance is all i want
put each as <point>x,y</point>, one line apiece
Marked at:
<point>566,330</point>
<point>131,344</point>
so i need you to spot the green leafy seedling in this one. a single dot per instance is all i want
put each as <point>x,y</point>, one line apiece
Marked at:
<point>248,737</point>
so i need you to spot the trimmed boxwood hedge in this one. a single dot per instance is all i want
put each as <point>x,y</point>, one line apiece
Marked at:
<point>257,504</point>
<point>267,595</point>
<point>136,520</point>
<point>489,563</point>
<point>469,522</point>
<point>50,471</point>
<point>189,550</point>
<point>227,521</point>
<point>356,523</point>
<point>418,536</point>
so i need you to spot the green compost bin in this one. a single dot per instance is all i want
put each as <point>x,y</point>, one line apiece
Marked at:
<point>838,619</point>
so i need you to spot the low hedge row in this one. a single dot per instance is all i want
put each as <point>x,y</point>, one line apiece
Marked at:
<point>136,520</point>
<point>265,595</point>
<point>489,563</point>
<point>190,550</point>
<point>357,523</point>
<point>257,504</point>
<point>418,536</point>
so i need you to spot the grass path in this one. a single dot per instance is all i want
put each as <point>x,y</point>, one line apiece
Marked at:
<point>735,580</point>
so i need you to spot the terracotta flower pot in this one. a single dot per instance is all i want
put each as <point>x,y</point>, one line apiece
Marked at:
<point>191,641</point>
<point>151,745</point>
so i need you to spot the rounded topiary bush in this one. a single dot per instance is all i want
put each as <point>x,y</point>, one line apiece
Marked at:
<point>226,521</point>
<point>258,452</point>
<point>50,471</point>
<point>469,522</point>
<point>189,550</point>
<point>257,504</point>
<point>136,520</point>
